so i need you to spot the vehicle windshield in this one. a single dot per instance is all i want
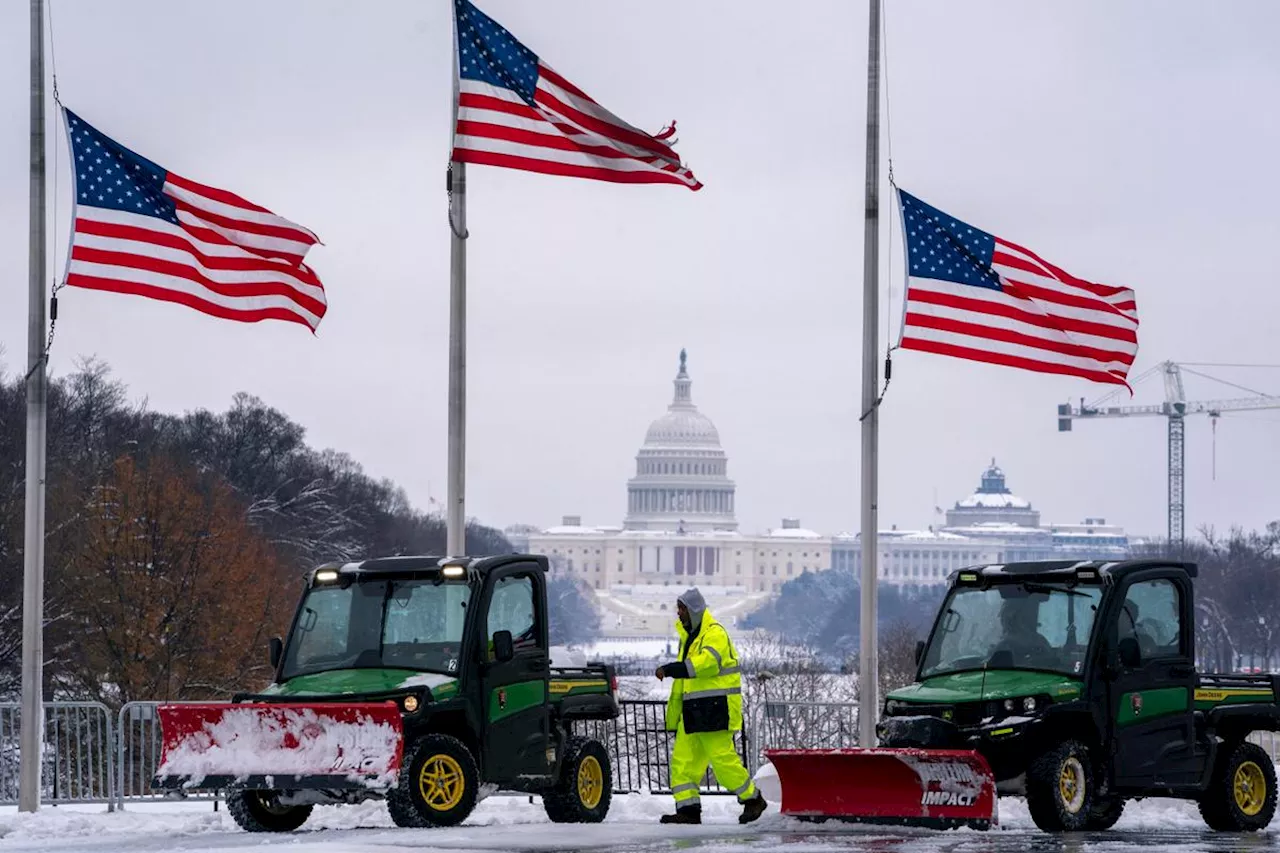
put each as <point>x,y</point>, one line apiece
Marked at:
<point>1027,625</point>
<point>394,624</point>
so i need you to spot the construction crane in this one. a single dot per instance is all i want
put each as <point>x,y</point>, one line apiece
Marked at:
<point>1175,408</point>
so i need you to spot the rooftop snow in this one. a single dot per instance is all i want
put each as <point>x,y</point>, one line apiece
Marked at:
<point>993,501</point>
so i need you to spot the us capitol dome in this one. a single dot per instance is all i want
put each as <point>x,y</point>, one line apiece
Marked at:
<point>681,481</point>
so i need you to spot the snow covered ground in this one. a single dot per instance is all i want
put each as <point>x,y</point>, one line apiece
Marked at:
<point>514,825</point>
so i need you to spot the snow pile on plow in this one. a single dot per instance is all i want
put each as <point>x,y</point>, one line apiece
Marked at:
<point>914,787</point>
<point>272,746</point>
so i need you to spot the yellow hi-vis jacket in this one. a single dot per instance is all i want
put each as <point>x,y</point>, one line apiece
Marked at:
<point>709,698</point>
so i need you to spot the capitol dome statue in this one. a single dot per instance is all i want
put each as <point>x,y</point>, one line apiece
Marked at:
<point>681,480</point>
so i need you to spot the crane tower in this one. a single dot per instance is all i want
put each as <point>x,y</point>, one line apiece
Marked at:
<point>1175,409</point>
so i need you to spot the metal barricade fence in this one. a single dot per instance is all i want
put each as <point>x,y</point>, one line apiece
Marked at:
<point>639,747</point>
<point>1270,741</point>
<point>77,765</point>
<point>801,725</point>
<point>138,755</point>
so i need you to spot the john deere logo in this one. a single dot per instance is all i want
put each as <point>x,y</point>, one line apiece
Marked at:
<point>1135,702</point>
<point>502,699</point>
<point>946,715</point>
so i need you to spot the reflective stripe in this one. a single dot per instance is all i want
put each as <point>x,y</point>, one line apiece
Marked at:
<point>731,670</point>
<point>691,800</point>
<point>715,654</point>
<point>693,786</point>
<point>741,789</point>
<point>688,665</point>
<point>723,691</point>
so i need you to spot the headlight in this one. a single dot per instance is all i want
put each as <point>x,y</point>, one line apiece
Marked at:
<point>411,703</point>
<point>1008,704</point>
<point>893,707</point>
<point>1029,704</point>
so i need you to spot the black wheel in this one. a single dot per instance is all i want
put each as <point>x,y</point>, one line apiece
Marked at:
<point>1105,812</point>
<point>1242,793</point>
<point>1060,788</point>
<point>439,784</point>
<point>585,786</point>
<point>260,811</point>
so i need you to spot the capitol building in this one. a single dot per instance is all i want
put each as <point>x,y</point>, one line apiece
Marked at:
<point>680,529</point>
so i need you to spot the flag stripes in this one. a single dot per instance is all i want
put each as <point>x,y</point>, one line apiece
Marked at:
<point>975,296</point>
<point>141,230</point>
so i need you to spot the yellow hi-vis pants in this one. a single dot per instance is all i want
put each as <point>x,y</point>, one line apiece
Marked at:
<point>690,757</point>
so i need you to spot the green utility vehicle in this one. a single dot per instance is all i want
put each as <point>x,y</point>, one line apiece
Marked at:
<point>1076,682</point>
<point>461,647</point>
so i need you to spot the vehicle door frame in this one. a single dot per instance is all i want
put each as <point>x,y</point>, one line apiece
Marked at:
<point>527,665</point>
<point>1178,762</point>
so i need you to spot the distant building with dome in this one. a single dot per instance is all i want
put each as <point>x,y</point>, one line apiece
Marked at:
<point>680,529</point>
<point>990,526</point>
<point>682,478</point>
<point>993,503</point>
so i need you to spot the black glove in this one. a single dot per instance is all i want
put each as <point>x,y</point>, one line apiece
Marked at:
<point>674,670</point>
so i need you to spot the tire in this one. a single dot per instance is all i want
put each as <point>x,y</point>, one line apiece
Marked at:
<point>1242,792</point>
<point>439,784</point>
<point>259,811</point>
<point>1060,788</point>
<point>1105,812</point>
<point>585,787</point>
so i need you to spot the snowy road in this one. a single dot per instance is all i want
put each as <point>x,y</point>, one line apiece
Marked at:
<point>512,825</point>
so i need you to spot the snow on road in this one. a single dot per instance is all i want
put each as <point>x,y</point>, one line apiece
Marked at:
<point>504,824</point>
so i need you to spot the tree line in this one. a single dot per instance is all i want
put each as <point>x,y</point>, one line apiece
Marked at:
<point>175,545</point>
<point>1237,595</point>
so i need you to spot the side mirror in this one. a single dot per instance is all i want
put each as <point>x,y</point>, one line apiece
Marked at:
<point>1130,653</point>
<point>504,647</point>
<point>919,651</point>
<point>275,649</point>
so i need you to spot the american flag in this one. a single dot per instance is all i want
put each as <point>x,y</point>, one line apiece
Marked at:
<point>976,296</point>
<point>143,230</point>
<point>515,111</point>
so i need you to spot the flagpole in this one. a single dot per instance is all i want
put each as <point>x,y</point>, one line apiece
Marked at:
<point>32,721</point>
<point>455,513</point>
<point>868,704</point>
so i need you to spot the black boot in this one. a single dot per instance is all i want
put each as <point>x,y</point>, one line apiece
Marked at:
<point>684,814</point>
<point>752,808</point>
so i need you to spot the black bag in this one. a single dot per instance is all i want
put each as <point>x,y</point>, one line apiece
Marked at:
<point>705,714</point>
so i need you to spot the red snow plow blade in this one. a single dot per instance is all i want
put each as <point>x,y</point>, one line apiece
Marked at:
<point>280,746</point>
<point>916,787</point>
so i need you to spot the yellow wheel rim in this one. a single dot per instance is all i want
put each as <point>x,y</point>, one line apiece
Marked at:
<point>441,783</point>
<point>1071,785</point>
<point>590,782</point>
<point>1250,788</point>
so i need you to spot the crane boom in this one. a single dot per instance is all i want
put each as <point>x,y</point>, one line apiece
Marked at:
<point>1197,407</point>
<point>1175,407</point>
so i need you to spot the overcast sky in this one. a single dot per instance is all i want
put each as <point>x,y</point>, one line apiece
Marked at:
<point>1134,143</point>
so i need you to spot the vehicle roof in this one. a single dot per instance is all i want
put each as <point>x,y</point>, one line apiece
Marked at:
<point>425,563</point>
<point>1114,568</point>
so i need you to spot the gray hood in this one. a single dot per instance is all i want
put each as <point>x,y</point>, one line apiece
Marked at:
<point>697,605</point>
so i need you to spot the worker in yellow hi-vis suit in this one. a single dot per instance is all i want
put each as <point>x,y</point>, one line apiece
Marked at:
<point>704,711</point>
